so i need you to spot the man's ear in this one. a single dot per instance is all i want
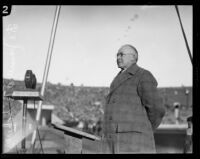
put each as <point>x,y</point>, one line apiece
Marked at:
<point>134,57</point>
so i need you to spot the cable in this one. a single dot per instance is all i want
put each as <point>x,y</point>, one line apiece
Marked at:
<point>38,134</point>
<point>40,140</point>
<point>187,46</point>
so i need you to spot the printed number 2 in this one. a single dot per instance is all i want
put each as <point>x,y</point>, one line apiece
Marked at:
<point>5,9</point>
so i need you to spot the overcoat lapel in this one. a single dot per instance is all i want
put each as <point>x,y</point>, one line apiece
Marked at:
<point>122,77</point>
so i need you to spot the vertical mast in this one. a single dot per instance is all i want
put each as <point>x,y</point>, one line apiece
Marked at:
<point>46,71</point>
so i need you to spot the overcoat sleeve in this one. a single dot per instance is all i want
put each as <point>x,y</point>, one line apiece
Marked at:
<point>153,103</point>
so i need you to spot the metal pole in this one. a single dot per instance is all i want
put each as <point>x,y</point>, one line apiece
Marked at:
<point>188,49</point>
<point>188,147</point>
<point>23,143</point>
<point>48,60</point>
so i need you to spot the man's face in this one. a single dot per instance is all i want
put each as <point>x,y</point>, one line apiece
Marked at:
<point>125,57</point>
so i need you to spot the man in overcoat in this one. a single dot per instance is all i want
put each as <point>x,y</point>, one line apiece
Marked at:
<point>133,107</point>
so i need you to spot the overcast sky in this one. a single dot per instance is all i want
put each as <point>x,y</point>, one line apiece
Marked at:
<point>88,38</point>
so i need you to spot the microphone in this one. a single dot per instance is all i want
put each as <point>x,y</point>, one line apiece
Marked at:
<point>30,80</point>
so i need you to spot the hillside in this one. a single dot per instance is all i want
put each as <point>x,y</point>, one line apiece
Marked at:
<point>87,103</point>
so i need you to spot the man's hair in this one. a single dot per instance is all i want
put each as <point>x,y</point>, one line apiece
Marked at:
<point>132,47</point>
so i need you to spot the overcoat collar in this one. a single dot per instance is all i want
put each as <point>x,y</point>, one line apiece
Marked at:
<point>122,77</point>
<point>133,69</point>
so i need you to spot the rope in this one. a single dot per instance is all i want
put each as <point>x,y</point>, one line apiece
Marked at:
<point>187,46</point>
<point>38,134</point>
